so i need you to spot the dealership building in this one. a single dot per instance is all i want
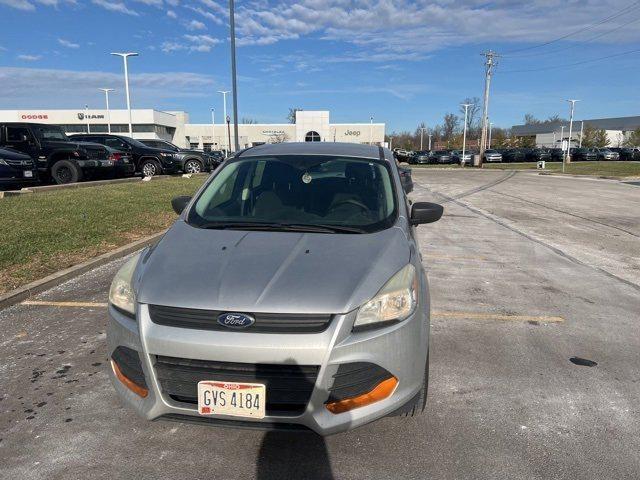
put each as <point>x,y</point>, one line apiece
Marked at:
<point>552,134</point>
<point>176,127</point>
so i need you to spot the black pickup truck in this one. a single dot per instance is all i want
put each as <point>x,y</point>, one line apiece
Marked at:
<point>57,157</point>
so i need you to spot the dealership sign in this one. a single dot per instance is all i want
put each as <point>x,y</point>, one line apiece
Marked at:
<point>35,116</point>
<point>353,133</point>
<point>82,116</point>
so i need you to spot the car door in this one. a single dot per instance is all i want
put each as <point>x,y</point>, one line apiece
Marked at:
<point>21,138</point>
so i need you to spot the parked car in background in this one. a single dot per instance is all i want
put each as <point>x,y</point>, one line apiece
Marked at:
<point>148,161</point>
<point>419,158</point>
<point>318,318</point>
<point>583,154</point>
<point>492,156</point>
<point>607,154</point>
<point>57,157</point>
<point>513,155</point>
<point>537,155</point>
<point>456,157</point>
<point>557,155</point>
<point>405,178</point>
<point>627,153</point>
<point>217,157</point>
<point>122,164</point>
<point>188,160</point>
<point>17,169</point>
<point>401,154</point>
<point>439,156</point>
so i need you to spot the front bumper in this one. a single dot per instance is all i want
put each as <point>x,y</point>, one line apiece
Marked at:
<point>401,349</point>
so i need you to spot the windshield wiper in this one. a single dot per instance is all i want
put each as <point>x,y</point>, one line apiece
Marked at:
<point>287,227</point>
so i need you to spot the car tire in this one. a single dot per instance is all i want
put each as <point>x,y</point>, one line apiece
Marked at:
<point>66,171</point>
<point>192,166</point>
<point>150,167</point>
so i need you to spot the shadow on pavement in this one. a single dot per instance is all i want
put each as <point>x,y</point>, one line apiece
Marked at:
<point>285,455</point>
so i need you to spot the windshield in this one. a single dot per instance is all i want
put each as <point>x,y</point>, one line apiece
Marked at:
<point>50,132</point>
<point>333,194</point>
<point>136,143</point>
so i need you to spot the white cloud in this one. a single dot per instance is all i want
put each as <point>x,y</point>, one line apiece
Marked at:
<point>52,88</point>
<point>214,18</point>
<point>172,14</point>
<point>195,25</point>
<point>195,43</point>
<point>29,58</point>
<point>67,43</point>
<point>153,3</point>
<point>19,4</point>
<point>119,7</point>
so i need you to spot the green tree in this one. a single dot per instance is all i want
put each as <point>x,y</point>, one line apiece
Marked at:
<point>589,137</point>
<point>601,139</point>
<point>633,140</point>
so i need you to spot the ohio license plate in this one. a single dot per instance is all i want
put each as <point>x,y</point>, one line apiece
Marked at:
<point>28,174</point>
<point>228,398</point>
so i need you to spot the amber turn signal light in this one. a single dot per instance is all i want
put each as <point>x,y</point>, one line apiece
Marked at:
<point>381,391</point>
<point>134,387</point>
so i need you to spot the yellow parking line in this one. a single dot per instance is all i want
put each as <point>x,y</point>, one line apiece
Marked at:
<point>45,303</point>
<point>496,316</point>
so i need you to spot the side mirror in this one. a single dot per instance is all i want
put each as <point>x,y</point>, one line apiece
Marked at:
<point>425,212</point>
<point>180,203</point>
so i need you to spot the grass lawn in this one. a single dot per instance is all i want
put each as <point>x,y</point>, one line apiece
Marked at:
<point>45,232</point>
<point>600,169</point>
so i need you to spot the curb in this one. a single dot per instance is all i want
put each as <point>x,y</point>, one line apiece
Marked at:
<point>30,289</point>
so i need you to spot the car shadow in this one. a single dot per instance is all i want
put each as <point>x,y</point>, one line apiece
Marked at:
<point>297,454</point>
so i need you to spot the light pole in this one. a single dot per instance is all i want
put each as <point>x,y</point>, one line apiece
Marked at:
<point>86,116</point>
<point>562,139</point>
<point>371,130</point>
<point>490,129</point>
<point>581,132</point>
<point>213,129</point>
<point>568,155</point>
<point>422,129</point>
<point>126,83</point>
<point>234,83</point>
<point>106,99</point>
<point>430,141</point>
<point>224,113</point>
<point>229,132</point>
<point>464,135</point>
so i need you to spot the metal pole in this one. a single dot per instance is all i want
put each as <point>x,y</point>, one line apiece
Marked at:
<point>464,134</point>
<point>421,135</point>
<point>229,132</point>
<point>371,130</point>
<point>490,128</point>
<point>213,129</point>
<point>581,132</point>
<point>568,155</point>
<point>224,114</point>
<point>489,64</point>
<point>106,98</point>
<point>234,83</point>
<point>86,116</point>
<point>390,142</point>
<point>430,142</point>
<point>126,84</point>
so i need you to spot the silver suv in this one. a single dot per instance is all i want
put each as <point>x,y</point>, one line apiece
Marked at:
<point>290,293</point>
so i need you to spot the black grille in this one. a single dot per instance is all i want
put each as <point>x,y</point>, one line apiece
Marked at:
<point>265,322</point>
<point>128,361</point>
<point>19,163</point>
<point>353,379</point>
<point>289,387</point>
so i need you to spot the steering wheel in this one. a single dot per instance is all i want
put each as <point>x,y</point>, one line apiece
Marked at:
<point>351,201</point>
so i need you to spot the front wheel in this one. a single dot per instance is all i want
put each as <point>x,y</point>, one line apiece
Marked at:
<point>66,171</point>
<point>192,166</point>
<point>149,168</point>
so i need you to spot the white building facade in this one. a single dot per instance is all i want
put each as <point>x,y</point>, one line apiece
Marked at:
<point>175,127</point>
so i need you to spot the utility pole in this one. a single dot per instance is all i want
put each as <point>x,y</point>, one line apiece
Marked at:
<point>106,98</point>
<point>490,129</point>
<point>568,155</point>
<point>422,129</point>
<point>581,132</point>
<point>489,64</point>
<point>464,135</point>
<point>86,116</point>
<point>213,129</point>
<point>234,83</point>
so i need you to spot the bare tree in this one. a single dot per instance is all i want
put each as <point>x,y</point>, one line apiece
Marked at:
<point>451,123</point>
<point>248,121</point>
<point>473,115</point>
<point>291,116</point>
<point>280,137</point>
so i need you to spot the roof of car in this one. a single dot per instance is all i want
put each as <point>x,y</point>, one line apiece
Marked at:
<point>317,148</point>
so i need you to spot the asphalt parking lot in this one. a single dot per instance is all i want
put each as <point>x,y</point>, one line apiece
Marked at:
<point>526,272</point>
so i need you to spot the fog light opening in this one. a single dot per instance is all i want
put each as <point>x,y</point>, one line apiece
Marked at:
<point>130,384</point>
<point>381,391</point>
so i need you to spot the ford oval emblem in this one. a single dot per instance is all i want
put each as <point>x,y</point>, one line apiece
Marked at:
<point>235,320</point>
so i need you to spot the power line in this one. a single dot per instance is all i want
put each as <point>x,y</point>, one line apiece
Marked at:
<point>583,29</point>
<point>555,67</point>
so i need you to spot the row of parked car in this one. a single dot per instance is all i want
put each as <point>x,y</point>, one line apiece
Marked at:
<point>32,153</point>
<point>516,155</point>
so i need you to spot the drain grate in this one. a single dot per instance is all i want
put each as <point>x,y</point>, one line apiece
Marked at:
<point>583,362</point>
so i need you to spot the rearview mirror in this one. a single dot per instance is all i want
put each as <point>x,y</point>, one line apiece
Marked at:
<point>425,212</point>
<point>180,203</point>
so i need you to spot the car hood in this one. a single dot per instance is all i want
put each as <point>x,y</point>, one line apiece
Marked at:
<point>257,271</point>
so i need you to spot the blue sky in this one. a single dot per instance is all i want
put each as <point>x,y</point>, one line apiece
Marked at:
<point>402,62</point>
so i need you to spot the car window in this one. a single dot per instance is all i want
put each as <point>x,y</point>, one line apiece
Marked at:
<point>50,132</point>
<point>303,190</point>
<point>116,143</point>
<point>18,134</point>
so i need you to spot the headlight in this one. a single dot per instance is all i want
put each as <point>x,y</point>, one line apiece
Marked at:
<point>167,155</point>
<point>394,302</point>
<point>3,162</point>
<point>121,294</point>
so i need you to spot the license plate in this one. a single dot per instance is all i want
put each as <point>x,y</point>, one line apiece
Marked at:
<point>228,398</point>
<point>28,174</point>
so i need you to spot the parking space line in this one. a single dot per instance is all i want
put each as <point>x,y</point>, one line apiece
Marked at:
<point>438,256</point>
<point>45,303</point>
<point>496,316</point>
